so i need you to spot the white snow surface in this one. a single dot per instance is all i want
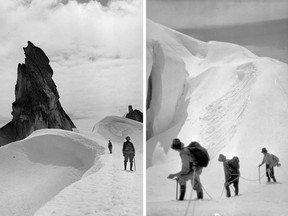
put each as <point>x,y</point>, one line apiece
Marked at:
<point>229,100</point>
<point>58,172</point>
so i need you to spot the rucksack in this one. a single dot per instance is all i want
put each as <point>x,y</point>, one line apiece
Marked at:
<point>128,147</point>
<point>275,160</point>
<point>233,165</point>
<point>200,154</point>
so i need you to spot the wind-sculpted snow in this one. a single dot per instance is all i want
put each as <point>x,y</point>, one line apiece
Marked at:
<point>228,99</point>
<point>201,90</point>
<point>57,172</point>
<point>109,191</point>
<point>223,116</point>
<point>116,128</point>
<point>105,189</point>
<point>35,169</point>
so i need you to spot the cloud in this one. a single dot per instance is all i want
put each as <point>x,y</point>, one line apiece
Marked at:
<point>207,13</point>
<point>75,36</point>
<point>84,28</point>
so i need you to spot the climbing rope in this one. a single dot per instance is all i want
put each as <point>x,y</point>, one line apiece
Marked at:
<point>193,181</point>
<point>190,199</point>
<point>253,179</point>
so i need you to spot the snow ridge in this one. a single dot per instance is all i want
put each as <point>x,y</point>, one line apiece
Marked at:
<point>231,101</point>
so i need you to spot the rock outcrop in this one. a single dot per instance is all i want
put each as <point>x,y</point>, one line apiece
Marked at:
<point>37,102</point>
<point>136,115</point>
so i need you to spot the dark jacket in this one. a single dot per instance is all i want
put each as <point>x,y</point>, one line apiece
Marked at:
<point>128,148</point>
<point>230,170</point>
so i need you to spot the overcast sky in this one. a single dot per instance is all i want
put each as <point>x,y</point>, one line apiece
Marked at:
<point>206,13</point>
<point>94,50</point>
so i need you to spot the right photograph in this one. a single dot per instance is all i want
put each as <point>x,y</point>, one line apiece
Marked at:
<point>216,107</point>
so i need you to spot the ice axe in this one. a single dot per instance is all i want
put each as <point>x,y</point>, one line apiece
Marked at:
<point>259,175</point>
<point>176,188</point>
<point>134,163</point>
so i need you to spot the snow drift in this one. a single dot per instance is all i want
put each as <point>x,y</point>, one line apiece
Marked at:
<point>117,128</point>
<point>35,169</point>
<point>66,173</point>
<point>221,95</point>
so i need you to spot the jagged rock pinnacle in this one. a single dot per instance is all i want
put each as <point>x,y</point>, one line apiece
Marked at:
<point>36,104</point>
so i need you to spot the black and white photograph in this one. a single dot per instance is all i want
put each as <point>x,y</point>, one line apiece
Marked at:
<point>216,107</point>
<point>71,107</point>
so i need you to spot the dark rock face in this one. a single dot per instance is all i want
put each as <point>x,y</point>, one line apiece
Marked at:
<point>36,104</point>
<point>136,115</point>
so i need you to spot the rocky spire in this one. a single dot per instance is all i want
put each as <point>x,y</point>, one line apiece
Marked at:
<point>37,102</point>
<point>136,115</point>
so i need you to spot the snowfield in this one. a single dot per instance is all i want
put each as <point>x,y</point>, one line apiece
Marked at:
<point>57,172</point>
<point>231,101</point>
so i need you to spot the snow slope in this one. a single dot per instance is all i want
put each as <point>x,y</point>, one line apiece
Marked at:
<point>229,100</point>
<point>116,128</point>
<point>57,172</point>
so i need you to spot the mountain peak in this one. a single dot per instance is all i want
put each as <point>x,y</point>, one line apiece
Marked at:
<point>36,104</point>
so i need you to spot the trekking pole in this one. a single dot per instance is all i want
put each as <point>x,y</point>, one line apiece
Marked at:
<point>190,199</point>
<point>259,175</point>
<point>134,163</point>
<point>176,189</point>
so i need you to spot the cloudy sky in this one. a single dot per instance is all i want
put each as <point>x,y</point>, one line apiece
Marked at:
<point>207,13</point>
<point>95,50</point>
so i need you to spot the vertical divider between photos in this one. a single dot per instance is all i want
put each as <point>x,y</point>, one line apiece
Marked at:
<point>144,106</point>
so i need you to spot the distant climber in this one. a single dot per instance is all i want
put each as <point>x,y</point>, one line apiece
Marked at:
<point>271,161</point>
<point>232,173</point>
<point>191,168</point>
<point>110,146</point>
<point>128,151</point>
<point>136,115</point>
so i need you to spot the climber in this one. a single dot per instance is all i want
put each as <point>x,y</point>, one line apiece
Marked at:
<point>271,161</point>
<point>128,151</point>
<point>191,169</point>
<point>232,173</point>
<point>110,146</point>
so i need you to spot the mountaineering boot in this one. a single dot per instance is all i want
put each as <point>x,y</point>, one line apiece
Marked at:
<point>131,165</point>
<point>236,191</point>
<point>182,192</point>
<point>200,195</point>
<point>268,180</point>
<point>125,165</point>
<point>228,194</point>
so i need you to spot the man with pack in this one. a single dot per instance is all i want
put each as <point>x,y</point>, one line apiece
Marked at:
<point>128,151</point>
<point>192,165</point>
<point>271,161</point>
<point>110,146</point>
<point>232,173</point>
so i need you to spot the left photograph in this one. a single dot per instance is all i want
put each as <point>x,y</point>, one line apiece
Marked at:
<point>71,107</point>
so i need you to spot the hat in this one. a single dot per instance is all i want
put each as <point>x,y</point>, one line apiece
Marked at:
<point>127,138</point>
<point>264,150</point>
<point>221,157</point>
<point>177,144</point>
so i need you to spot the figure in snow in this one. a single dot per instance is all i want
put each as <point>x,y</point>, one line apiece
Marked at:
<point>110,146</point>
<point>271,161</point>
<point>189,171</point>
<point>232,173</point>
<point>135,114</point>
<point>128,151</point>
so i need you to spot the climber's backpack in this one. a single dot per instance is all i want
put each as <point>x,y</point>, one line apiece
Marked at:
<point>275,160</point>
<point>200,154</point>
<point>233,165</point>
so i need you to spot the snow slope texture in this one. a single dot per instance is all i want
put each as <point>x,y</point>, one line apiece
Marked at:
<point>35,169</point>
<point>229,100</point>
<point>117,128</point>
<point>57,172</point>
<point>109,190</point>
